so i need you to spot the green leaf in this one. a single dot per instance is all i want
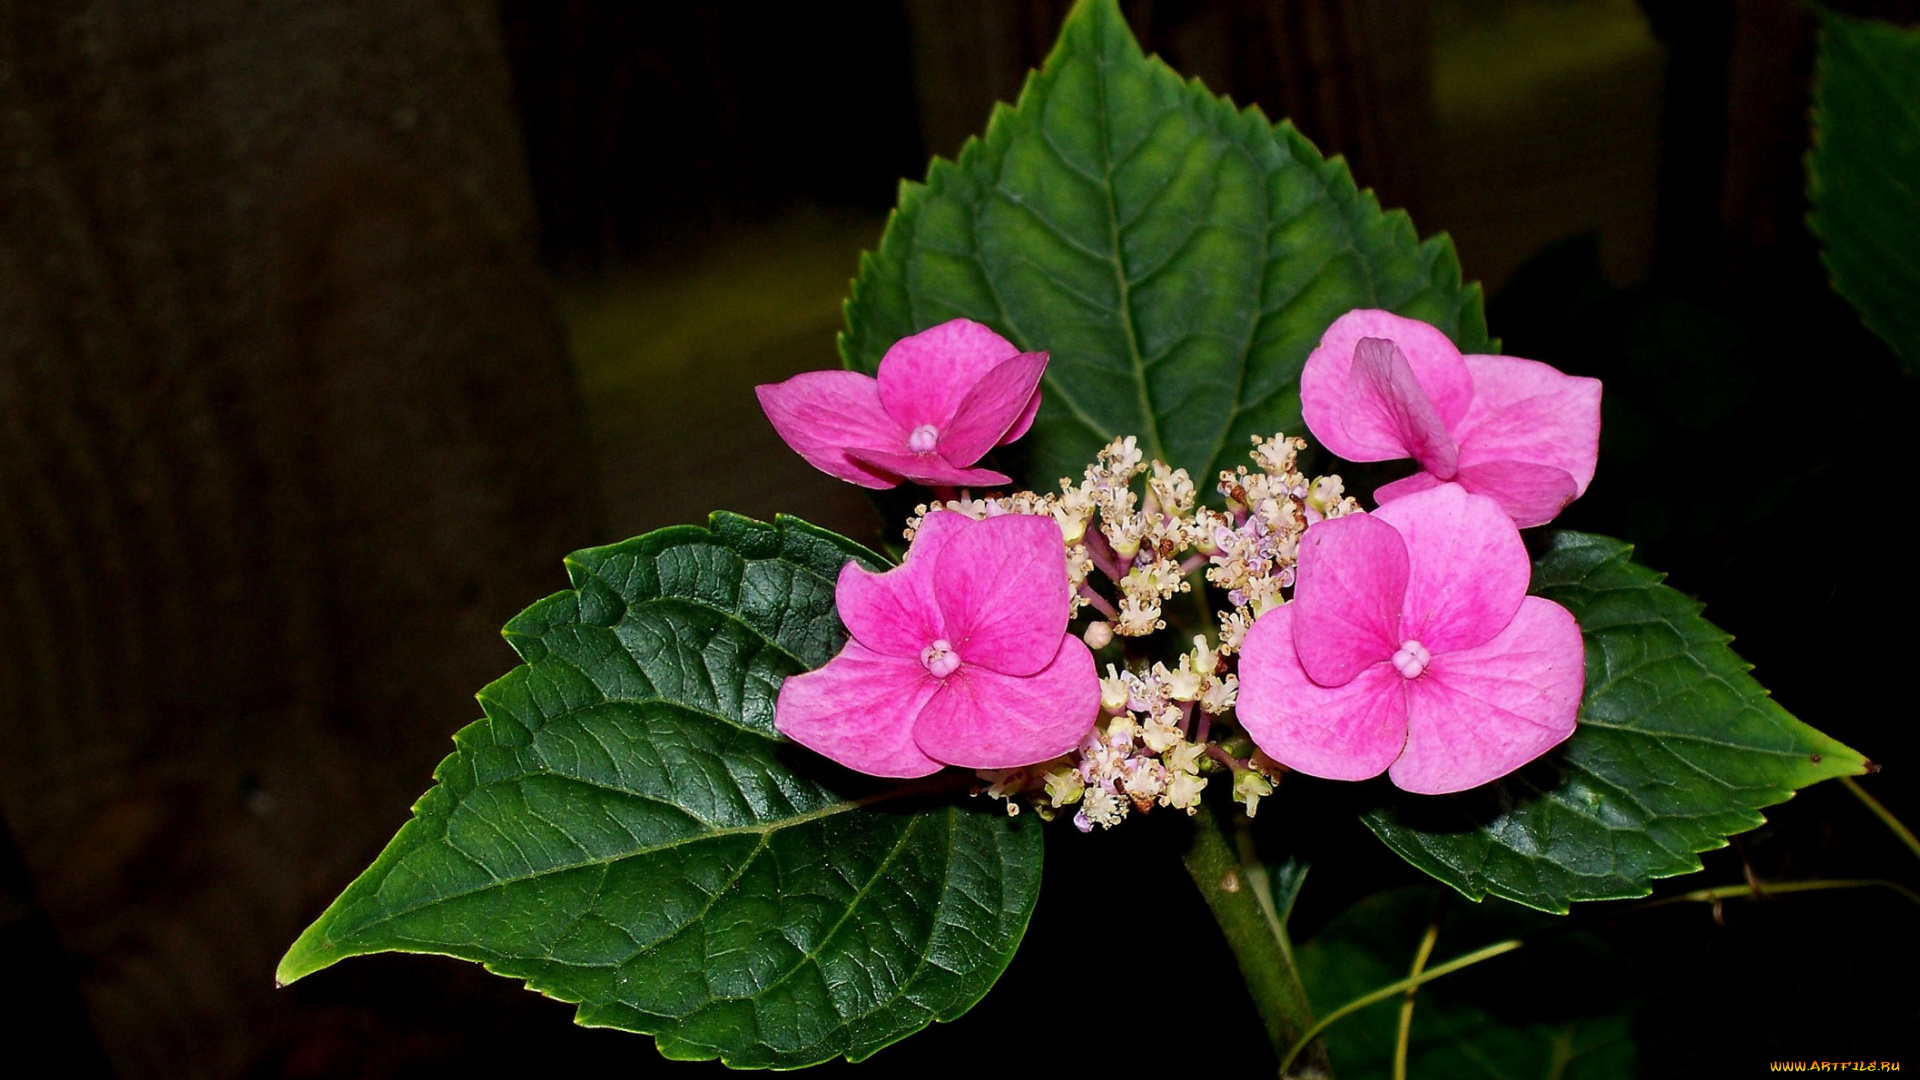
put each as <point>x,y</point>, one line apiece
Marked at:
<point>1863,177</point>
<point>1520,1016</point>
<point>1677,749</point>
<point>1177,257</point>
<point>625,831</point>
<point>1285,879</point>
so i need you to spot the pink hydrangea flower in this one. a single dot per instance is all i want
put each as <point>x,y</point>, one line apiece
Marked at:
<point>958,656</point>
<point>944,397</point>
<point>1411,646</point>
<point>1381,387</point>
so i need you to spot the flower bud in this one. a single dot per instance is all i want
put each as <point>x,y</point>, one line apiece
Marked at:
<point>1250,787</point>
<point>1098,635</point>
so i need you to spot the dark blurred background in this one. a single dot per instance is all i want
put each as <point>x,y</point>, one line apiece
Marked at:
<point>327,328</point>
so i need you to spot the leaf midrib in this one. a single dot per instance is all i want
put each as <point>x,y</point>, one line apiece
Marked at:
<point>757,829</point>
<point>1119,262</point>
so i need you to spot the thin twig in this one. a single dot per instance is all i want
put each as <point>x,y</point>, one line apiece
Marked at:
<point>1385,992</point>
<point>1899,828</point>
<point>1746,892</point>
<point>1711,896</point>
<point>1406,1007</point>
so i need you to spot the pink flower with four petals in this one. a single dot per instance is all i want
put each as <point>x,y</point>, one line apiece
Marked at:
<point>1381,387</point>
<point>944,397</point>
<point>1412,647</point>
<point>958,656</point>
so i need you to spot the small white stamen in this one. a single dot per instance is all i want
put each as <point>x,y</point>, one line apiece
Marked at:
<point>940,659</point>
<point>1412,659</point>
<point>924,439</point>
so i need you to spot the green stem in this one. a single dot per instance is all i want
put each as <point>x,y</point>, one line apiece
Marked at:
<point>1391,989</point>
<point>1259,942</point>
<point>1899,828</point>
<point>1746,892</point>
<point>1405,1034</point>
<point>1711,895</point>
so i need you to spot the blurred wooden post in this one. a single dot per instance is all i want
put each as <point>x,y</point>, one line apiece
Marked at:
<point>286,432</point>
<point>1355,76</point>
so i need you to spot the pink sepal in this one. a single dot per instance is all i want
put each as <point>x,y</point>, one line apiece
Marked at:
<point>1405,486</point>
<point>983,719</point>
<point>991,408</point>
<point>1347,732</point>
<point>1024,421</point>
<point>1001,586</point>
<point>895,612</point>
<point>1479,714</point>
<point>1529,494</point>
<point>1386,410</point>
<point>824,414</point>
<point>860,710</point>
<point>1346,608</point>
<point>929,468</point>
<point>925,377</point>
<point>1435,362</point>
<point>1467,567</point>
<point>1527,411</point>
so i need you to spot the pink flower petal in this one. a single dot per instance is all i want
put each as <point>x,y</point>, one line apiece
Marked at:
<point>895,612</point>
<point>1524,410</point>
<point>1002,588</point>
<point>1346,605</point>
<point>1530,494</point>
<point>1435,362</point>
<point>1468,568</point>
<point>823,414</point>
<point>1479,714</point>
<point>928,469</point>
<point>1387,412</point>
<point>992,407</point>
<point>924,378</point>
<point>1024,421</point>
<point>985,720</point>
<point>1405,486</point>
<point>860,710</point>
<point>1347,732</point>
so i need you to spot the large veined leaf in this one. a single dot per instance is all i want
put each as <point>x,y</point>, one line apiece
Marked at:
<point>1525,1015</point>
<point>1864,173</point>
<point>626,831</point>
<point>1177,256</point>
<point>1677,749</point>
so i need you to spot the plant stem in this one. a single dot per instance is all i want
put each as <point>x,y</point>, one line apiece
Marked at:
<point>1391,989</point>
<point>1259,943</point>
<point>1744,892</point>
<point>1419,977</point>
<point>1899,828</point>
<point>1406,1007</point>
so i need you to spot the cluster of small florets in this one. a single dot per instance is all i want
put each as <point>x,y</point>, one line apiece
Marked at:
<point>1155,745</point>
<point>1145,546</point>
<point>1255,547</point>
<point>1157,742</point>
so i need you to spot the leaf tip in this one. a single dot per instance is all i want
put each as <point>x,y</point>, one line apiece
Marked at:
<point>310,952</point>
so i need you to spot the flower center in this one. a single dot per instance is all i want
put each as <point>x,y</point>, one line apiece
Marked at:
<point>941,660</point>
<point>1412,659</point>
<point>924,439</point>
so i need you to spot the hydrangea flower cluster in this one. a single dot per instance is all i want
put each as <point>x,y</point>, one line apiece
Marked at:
<point>1349,643</point>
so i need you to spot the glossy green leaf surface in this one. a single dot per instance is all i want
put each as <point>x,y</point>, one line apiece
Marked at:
<point>625,831</point>
<point>1864,173</point>
<point>1176,256</point>
<point>1677,749</point>
<point>1524,1015</point>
